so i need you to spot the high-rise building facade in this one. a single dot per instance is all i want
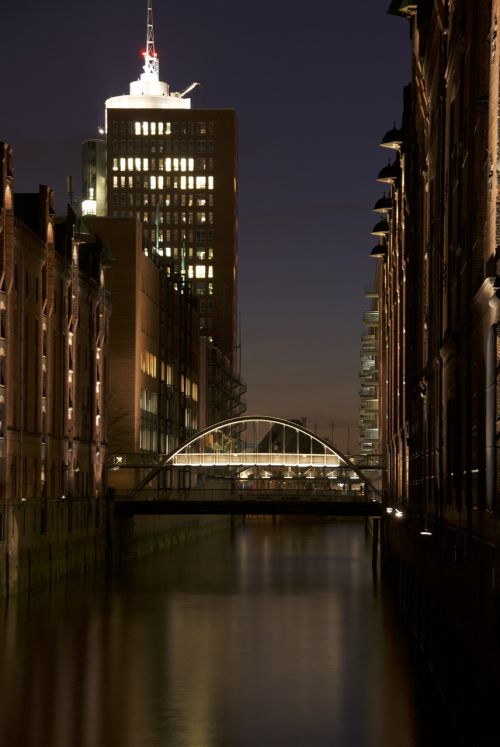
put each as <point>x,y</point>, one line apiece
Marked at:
<point>174,169</point>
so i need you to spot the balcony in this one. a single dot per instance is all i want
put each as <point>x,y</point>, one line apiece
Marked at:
<point>371,317</point>
<point>371,291</point>
<point>368,391</point>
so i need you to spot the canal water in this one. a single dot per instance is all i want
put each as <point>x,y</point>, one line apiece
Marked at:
<point>263,636</point>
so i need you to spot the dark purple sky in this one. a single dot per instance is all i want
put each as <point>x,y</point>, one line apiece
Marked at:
<point>315,88</point>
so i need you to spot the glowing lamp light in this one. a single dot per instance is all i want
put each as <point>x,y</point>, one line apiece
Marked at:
<point>389,173</point>
<point>392,139</point>
<point>381,228</point>
<point>426,533</point>
<point>389,509</point>
<point>398,514</point>
<point>383,205</point>
<point>380,250</point>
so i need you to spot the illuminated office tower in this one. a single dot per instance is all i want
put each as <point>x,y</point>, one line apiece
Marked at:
<point>173,168</point>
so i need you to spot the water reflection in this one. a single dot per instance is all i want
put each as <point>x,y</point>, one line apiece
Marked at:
<point>272,636</point>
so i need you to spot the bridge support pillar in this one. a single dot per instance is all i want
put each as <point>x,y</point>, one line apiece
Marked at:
<point>375,543</point>
<point>119,536</point>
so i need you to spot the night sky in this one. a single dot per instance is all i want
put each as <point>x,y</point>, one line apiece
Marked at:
<point>315,88</point>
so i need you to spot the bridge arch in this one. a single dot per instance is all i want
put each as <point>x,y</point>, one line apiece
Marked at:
<point>278,443</point>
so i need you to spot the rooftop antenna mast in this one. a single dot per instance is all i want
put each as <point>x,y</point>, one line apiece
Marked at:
<point>151,61</point>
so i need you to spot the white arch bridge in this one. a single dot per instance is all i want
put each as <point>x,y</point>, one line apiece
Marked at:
<point>251,465</point>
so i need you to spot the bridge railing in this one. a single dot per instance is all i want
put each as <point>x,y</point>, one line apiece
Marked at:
<point>251,459</point>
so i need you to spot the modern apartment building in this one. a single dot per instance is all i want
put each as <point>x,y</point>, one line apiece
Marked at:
<point>154,345</point>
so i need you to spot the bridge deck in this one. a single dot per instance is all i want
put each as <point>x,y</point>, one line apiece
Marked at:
<point>261,506</point>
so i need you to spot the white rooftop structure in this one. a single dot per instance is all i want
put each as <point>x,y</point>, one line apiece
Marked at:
<point>149,92</point>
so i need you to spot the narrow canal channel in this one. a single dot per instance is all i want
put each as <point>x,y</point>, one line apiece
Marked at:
<point>269,635</point>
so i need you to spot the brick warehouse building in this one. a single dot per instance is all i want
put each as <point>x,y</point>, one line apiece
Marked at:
<point>54,313</point>
<point>439,351</point>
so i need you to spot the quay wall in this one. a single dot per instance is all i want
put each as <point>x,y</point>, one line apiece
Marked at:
<point>43,543</point>
<point>447,587</point>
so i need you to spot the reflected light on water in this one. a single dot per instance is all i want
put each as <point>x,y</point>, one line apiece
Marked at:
<point>270,636</point>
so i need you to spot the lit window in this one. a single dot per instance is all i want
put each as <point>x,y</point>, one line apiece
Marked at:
<point>115,164</point>
<point>152,182</point>
<point>160,128</point>
<point>176,164</point>
<point>210,289</point>
<point>115,182</point>
<point>190,164</point>
<point>138,164</point>
<point>201,200</point>
<point>183,182</point>
<point>210,182</point>
<point>152,130</point>
<point>144,128</point>
<point>210,252</point>
<point>201,217</point>
<point>160,164</point>
<point>130,182</point>
<point>137,128</point>
<point>168,164</point>
<point>201,254</point>
<point>190,271</point>
<point>160,182</point>
<point>145,164</point>
<point>201,182</point>
<point>201,271</point>
<point>210,271</point>
<point>190,182</point>
<point>183,163</point>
